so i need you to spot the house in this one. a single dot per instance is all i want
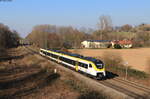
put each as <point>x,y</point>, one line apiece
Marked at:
<point>123,43</point>
<point>106,43</point>
<point>96,44</point>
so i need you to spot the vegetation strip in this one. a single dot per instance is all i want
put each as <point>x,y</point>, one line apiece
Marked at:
<point>141,87</point>
<point>120,89</point>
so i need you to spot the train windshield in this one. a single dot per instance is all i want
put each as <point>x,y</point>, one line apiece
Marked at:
<point>99,64</point>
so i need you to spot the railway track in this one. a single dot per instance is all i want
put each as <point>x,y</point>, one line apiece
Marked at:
<point>129,88</point>
<point>133,84</point>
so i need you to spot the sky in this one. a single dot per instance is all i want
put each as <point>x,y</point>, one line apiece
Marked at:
<point>23,15</point>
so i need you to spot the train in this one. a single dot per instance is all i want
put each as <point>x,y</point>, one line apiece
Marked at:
<point>88,65</point>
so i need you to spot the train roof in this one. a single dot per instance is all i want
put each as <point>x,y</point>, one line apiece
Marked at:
<point>77,56</point>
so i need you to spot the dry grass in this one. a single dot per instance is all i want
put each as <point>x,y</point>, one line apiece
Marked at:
<point>37,84</point>
<point>85,91</point>
<point>112,59</point>
<point>148,65</point>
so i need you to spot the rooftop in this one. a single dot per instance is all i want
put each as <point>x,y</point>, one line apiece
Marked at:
<point>98,40</point>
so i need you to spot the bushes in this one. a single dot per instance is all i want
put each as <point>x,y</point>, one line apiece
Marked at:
<point>117,46</point>
<point>137,74</point>
<point>93,95</point>
<point>76,86</point>
<point>112,60</point>
<point>8,38</point>
<point>142,39</point>
<point>133,73</point>
<point>85,91</point>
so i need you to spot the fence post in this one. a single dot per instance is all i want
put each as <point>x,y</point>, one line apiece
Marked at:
<point>126,65</point>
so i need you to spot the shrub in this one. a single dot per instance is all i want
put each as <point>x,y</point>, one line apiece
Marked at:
<point>117,46</point>
<point>78,86</point>
<point>137,73</point>
<point>93,95</point>
<point>142,39</point>
<point>85,91</point>
<point>133,73</point>
<point>112,60</point>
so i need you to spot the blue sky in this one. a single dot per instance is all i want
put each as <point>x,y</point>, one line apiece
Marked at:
<point>23,15</point>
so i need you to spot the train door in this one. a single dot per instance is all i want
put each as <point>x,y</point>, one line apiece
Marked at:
<point>90,69</point>
<point>76,66</point>
<point>83,67</point>
<point>58,59</point>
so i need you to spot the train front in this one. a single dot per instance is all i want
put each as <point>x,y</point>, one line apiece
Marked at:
<point>100,68</point>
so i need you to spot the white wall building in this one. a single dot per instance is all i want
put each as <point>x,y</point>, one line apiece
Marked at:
<point>95,44</point>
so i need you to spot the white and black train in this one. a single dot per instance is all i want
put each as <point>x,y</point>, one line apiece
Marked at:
<point>88,65</point>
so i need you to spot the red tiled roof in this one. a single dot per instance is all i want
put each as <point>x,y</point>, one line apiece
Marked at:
<point>123,42</point>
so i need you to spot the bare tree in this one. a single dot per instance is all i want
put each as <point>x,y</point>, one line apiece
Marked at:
<point>126,28</point>
<point>55,37</point>
<point>104,24</point>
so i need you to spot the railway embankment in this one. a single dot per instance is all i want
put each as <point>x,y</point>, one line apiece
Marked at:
<point>90,83</point>
<point>33,77</point>
<point>112,85</point>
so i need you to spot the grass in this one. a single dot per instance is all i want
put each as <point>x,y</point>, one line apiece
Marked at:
<point>85,91</point>
<point>131,72</point>
<point>76,86</point>
<point>92,95</point>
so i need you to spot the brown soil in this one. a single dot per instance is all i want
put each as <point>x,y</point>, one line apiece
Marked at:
<point>137,58</point>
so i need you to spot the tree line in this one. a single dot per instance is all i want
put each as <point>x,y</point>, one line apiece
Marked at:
<point>52,36</point>
<point>8,38</point>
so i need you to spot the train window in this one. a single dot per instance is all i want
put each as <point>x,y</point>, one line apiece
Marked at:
<point>48,54</point>
<point>73,62</point>
<point>54,56</point>
<point>44,52</point>
<point>61,58</point>
<point>69,61</point>
<point>64,59</point>
<point>80,64</point>
<point>83,65</point>
<point>90,66</point>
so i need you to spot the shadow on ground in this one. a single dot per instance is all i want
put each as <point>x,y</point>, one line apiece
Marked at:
<point>9,58</point>
<point>27,84</point>
<point>110,75</point>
